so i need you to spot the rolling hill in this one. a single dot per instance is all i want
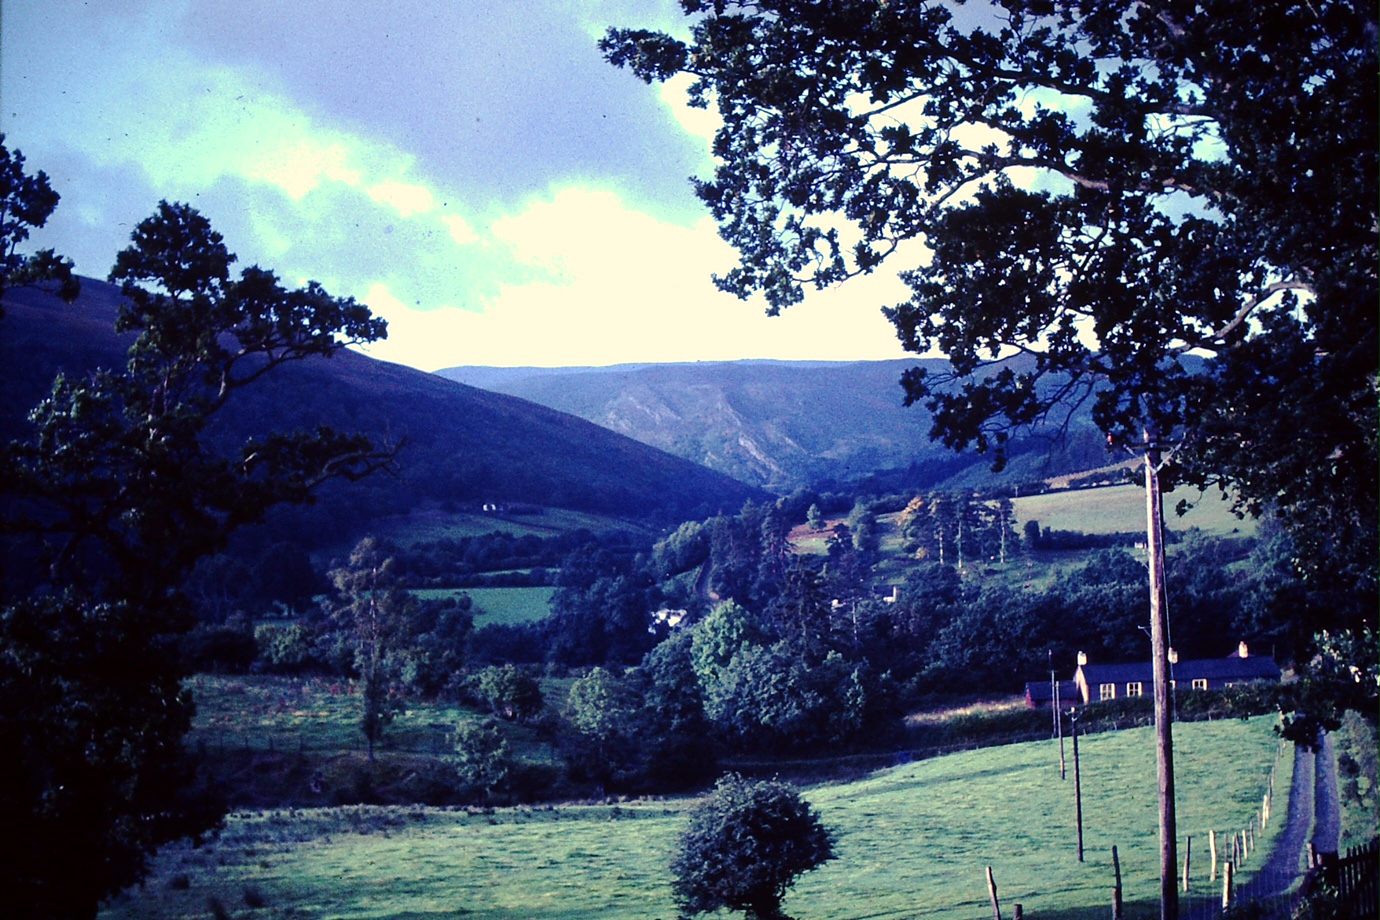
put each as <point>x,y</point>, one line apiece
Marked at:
<point>464,446</point>
<point>781,424</point>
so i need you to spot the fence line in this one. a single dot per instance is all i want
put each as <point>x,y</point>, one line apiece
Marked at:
<point>1353,876</point>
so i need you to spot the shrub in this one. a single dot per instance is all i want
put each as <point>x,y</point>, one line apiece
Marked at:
<point>508,692</point>
<point>744,847</point>
<point>483,762</point>
<point>283,649</point>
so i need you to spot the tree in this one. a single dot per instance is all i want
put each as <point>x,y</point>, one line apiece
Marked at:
<point>483,762</point>
<point>118,492</point>
<point>26,203</point>
<point>1167,209</point>
<point>744,846</point>
<point>509,692</point>
<point>673,732</point>
<point>602,712</point>
<point>374,615</point>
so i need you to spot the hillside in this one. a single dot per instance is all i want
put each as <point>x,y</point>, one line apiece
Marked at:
<point>779,424</point>
<point>464,446</point>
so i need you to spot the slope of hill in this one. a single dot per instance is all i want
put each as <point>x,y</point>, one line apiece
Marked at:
<point>778,424</point>
<point>464,445</point>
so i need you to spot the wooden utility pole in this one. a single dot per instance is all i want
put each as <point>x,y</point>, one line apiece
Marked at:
<point>1159,665</point>
<point>1077,784</point>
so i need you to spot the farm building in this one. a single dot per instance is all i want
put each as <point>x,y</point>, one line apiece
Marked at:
<point>1117,681</point>
<point>1039,694</point>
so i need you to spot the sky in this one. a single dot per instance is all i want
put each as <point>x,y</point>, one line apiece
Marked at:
<point>473,171</point>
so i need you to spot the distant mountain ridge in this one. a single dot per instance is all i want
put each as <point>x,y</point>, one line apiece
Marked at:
<point>464,445</point>
<point>779,424</point>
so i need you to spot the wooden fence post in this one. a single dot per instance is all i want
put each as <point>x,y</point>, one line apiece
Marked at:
<point>1077,786</point>
<point>1117,911</point>
<point>992,890</point>
<point>1226,885</point>
<point>1188,857</point>
<point>1019,914</point>
<point>1212,849</point>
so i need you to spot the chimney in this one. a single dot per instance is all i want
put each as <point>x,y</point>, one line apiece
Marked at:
<point>1082,658</point>
<point>1242,651</point>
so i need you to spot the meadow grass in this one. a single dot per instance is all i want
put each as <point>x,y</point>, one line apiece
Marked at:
<point>1121,509</point>
<point>263,712</point>
<point>428,526</point>
<point>913,840</point>
<point>509,605</point>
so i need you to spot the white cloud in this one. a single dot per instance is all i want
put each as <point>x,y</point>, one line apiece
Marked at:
<point>610,285</point>
<point>407,198</point>
<point>574,275</point>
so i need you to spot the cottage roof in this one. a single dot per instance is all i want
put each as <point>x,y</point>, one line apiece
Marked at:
<point>1038,691</point>
<point>1257,667</point>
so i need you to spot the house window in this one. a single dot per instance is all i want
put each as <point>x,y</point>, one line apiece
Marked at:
<point>1200,683</point>
<point>1106,691</point>
<point>1133,688</point>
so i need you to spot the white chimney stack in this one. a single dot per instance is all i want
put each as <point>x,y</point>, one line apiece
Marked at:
<point>1082,658</point>
<point>1242,651</point>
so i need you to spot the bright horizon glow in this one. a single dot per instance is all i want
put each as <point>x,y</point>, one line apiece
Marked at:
<point>528,205</point>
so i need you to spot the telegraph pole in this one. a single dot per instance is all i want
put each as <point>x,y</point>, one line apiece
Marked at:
<point>1159,642</point>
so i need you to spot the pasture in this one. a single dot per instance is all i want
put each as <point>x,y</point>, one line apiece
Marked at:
<point>1121,509</point>
<point>427,526</point>
<point>500,605</point>
<point>911,840</point>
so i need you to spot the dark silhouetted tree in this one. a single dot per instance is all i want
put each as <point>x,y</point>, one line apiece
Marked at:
<point>26,203</point>
<point>119,491</point>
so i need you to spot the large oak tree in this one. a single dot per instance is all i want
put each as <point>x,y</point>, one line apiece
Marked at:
<point>1164,209</point>
<point>1169,208</point>
<point>120,487</point>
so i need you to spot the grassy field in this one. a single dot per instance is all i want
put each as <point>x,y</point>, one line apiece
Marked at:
<point>426,526</point>
<point>912,840</point>
<point>500,605</point>
<point>263,712</point>
<point>510,605</point>
<point>1121,509</point>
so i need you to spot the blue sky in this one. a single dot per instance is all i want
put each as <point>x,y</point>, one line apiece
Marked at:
<point>474,171</point>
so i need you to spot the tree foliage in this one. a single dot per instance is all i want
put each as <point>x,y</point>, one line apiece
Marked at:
<point>508,692</point>
<point>744,846</point>
<point>374,617</point>
<point>1167,210</point>
<point>110,501</point>
<point>26,202</point>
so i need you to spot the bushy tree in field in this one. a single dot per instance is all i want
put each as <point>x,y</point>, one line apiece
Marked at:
<point>483,762</point>
<point>604,715</point>
<point>117,492</point>
<point>374,617</point>
<point>508,691</point>
<point>744,846</point>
